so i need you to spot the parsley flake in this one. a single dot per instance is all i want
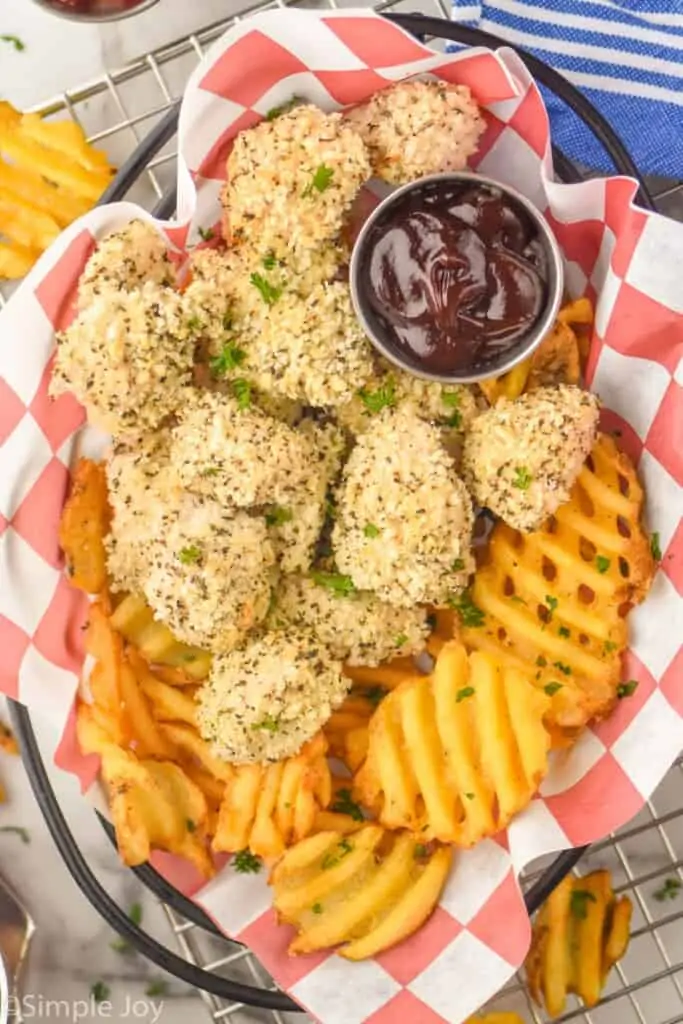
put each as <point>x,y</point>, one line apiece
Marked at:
<point>194,323</point>
<point>320,181</point>
<point>278,515</point>
<point>269,293</point>
<point>374,694</point>
<point>579,901</point>
<point>470,614</point>
<point>284,108</point>
<point>602,564</point>
<point>241,389</point>
<point>552,603</point>
<point>337,582</point>
<point>135,913</point>
<point>552,688</point>
<point>268,722</point>
<point>451,399</point>
<point>23,833</point>
<point>420,851</point>
<point>269,262</point>
<point>467,691</point>
<point>370,530</point>
<point>656,547</point>
<point>469,796</point>
<point>246,863</point>
<point>564,669</point>
<point>383,398</point>
<point>332,857</point>
<point>317,908</point>
<point>189,555</point>
<point>669,891</point>
<point>541,661</point>
<point>563,631</point>
<point>100,991</point>
<point>15,42</point>
<point>522,479</point>
<point>455,421</point>
<point>344,804</point>
<point>158,987</point>
<point>627,689</point>
<point>206,234</point>
<point>458,565</point>
<point>190,825</point>
<point>400,640</point>
<point>231,356</point>
<point>610,646</point>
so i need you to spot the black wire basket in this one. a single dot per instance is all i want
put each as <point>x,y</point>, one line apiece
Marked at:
<point>424,28</point>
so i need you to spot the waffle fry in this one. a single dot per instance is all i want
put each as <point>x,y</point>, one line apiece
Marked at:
<point>49,176</point>
<point>85,522</point>
<point>369,890</point>
<point>553,602</point>
<point>454,756</point>
<point>135,621</point>
<point>581,931</point>
<point>496,1018</point>
<point>266,808</point>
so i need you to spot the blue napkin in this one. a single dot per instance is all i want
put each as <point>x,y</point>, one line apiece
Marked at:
<point>626,56</point>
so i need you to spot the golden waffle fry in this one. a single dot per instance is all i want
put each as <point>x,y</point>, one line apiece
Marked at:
<point>368,890</point>
<point>454,756</point>
<point>49,176</point>
<point>346,729</point>
<point>509,385</point>
<point>496,1018</point>
<point>85,522</point>
<point>556,360</point>
<point>580,932</point>
<point>552,602</point>
<point>154,805</point>
<point>135,621</point>
<point>266,808</point>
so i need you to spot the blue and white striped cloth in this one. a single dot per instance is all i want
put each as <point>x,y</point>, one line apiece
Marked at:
<point>625,55</point>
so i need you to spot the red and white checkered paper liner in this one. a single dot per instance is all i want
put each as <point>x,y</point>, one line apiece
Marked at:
<point>628,261</point>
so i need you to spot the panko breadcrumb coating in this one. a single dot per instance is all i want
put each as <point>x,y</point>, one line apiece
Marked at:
<point>240,456</point>
<point>140,484</point>
<point>521,457</point>
<point>311,349</point>
<point>128,358</point>
<point>356,627</point>
<point>264,702</point>
<point>210,573</point>
<point>296,527</point>
<point>292,179</point>
<point>404,517</point>
<point>124,260</point>
<point>417,128</point>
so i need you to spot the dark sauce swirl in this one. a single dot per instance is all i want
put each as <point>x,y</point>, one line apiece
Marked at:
<point>456,274</point>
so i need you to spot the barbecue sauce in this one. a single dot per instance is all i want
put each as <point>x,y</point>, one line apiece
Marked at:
<point>456,274</point>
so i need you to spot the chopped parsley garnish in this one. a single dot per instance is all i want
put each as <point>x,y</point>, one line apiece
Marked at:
<point>627,689</point>
<point>206,234</point>
<point>278,515</point>
<point>467,691</point>
<point>522,479</point>
<point>656,547</point>
<point>337,582</point>
<point>602,564</point>
<point>269,262</point>
<point>284,108</point>
<point>317,908</point>
<point>468,611</point>
<point>516,599</point>
<point>100,991</point>
<point>458,565</point>
<point>669,891</point>
<point>14,41</point>
<point>159,987</point>
<point>374,694</point>
<point>370,530</point>
<point>564,669</point>
<point>246,862</point>
<point>135,916</point>
<point>194,323</point>
<point>320,181</point>
<point>552,688</point>
<point>541,661</point>
<point>269,293</point>
<point>268,722</point>
<point>189,555</point>
<point>451,399</point>
<point>420,851</point>
<point>231,356</point>
<point>552,603</point>
<point>579,901</point>
<point>332,857</point>
<point>469,796</point>
<point>241,389</point>
<point>610,646</point>
<point>343,804</point>
<point>190,825</point>
<point>383,398</point>
<point>563,631</point>
<point>135,913</point>
<point>455,420</point>
<point>400,640</point>
<point>23,833</point>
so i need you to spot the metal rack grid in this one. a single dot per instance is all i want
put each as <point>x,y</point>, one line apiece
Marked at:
<point>647,987</point>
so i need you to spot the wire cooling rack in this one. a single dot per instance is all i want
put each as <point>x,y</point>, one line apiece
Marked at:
<point>117,111</point>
